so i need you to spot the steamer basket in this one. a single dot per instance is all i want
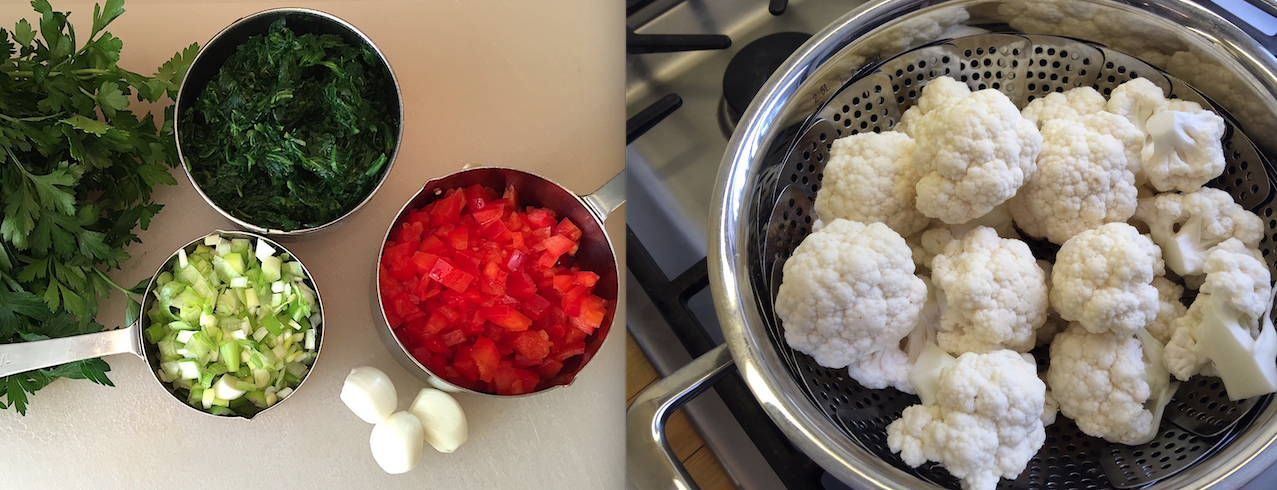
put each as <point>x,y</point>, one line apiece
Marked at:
<point>860,74</point>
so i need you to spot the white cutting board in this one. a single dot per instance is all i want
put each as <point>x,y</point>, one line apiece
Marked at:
<point>533,85</point>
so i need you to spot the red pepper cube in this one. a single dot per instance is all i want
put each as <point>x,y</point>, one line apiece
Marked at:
<point>557,245</point>
<point>424,262</point>
<point>511,198</point>
<point>568,229</point>
<point>495,231</point>
<point>452,337</point>
<point>388,285</point>
<point>593,309</point>
<point>435,324</point>
<point>573,299</point>
<point>433,245</point>
<point>540,218</point>
<point>564,282</point>
<point>447,209</point>
<point>477,197</point>
<point>410,231</point>
<point>520,285</point>
<point>406,310</point>
<point>484,353</point>
<point>586,278</point>
<point>515,262</point>
<point>465,364</point>
<point>459,238</point>
<point>437,346</point>
<point>492,213</point>
<point>548,368</point>
<point>507,317</point>
<point>514,381</point>
<point>532,345</point>
<point>467,260</point>
<point>570,350</point>
<point>535,306</point>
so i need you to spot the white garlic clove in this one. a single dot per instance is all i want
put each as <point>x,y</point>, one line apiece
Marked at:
<point>370,394</point>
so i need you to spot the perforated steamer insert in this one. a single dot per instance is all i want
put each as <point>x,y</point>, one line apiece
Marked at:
<point>1199,419</point>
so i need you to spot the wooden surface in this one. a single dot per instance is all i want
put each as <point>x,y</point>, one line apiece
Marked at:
<point>683,438</point>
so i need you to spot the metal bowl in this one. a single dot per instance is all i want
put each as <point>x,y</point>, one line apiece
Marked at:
<point>210,59</point>
<point>595,254</point>
<point>1228,67</point>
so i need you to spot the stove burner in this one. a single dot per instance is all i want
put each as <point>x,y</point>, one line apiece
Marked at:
<point>751,66</point>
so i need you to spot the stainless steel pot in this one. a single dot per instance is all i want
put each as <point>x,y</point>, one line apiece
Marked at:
<point>1183,39</point>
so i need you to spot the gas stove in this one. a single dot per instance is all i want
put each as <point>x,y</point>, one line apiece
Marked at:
<point>693,67</point>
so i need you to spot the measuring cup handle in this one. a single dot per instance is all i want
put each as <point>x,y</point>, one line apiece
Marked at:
<point>650,463</point>
<point>28,356</point>
<point>607,198</point>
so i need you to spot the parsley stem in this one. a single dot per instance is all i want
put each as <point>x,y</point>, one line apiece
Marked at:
<point>83,73</point>
<point>113,283</point>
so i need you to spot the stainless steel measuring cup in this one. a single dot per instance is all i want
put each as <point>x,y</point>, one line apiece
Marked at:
<point>588,212</point>
<point>27,356</point>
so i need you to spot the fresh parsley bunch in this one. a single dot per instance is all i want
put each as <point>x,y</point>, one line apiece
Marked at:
<point>293,131</point>
<point>76,178</point>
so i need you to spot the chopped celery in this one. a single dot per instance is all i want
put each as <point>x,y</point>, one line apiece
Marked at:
<point>155,333</point>
<point>230,355</point>
<point>272,325</point>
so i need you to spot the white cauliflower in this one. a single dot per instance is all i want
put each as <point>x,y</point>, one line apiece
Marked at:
<point>1102,279</point>
<point>1083,181</point>
<point>1113,385</point>
<point>1229,326</point>
<point>993,291</point>
<point>1186,226</point>
<point>1181,148</point>
<point>1070,104</point>
<point>1184,150</point>
<point>985,422</point>
<point>849,291</point>
<point>870,178</point>
<point>972,154</point>
<point>935,94</point>
<point>1169,308</point>
<point>1137,100</point>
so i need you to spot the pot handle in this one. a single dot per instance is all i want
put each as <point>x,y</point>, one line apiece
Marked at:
<point>28,356</point>
<point>607,198</point>
<point>650,463</point>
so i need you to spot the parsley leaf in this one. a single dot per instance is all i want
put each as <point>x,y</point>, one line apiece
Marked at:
<point>76,172</point>
<point>293,131</point>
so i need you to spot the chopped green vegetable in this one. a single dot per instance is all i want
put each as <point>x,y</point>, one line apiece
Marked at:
<point>73,184</point>
<point>293,131</point>
<point>240,355</point>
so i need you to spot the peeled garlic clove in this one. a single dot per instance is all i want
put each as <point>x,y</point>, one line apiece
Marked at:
<point>441,418</point>
<point>396,443</point>
<point>370,394</point>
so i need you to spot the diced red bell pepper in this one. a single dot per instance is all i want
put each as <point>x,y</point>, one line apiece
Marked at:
<point>447,209</point>
<point>484,353</point>
<point>424,262</point>
<point>465,364</point>
<point>548,368</point>
<point>515,262</point>
<point>564,282</point>
<point>520,285</point>
<point>513,381</point>
<point>452,337</point>
<point>570,350</point>
<point>406,310</point>
<point>410,232</point>
<point>489,214</point>
<point>388,285</point>
<point>593,309</point>
<point>586,278</point>
<point>532,345</point>
<point>434,324</point>
<point>510,197</point>
<point>507,317</point>
<point>568,229</point>
<point>534,306</point>
<point>540,218</point>
<point>477,197</point>
<point>432,244</point>
<point>459,238</point>
<point>572,300</point>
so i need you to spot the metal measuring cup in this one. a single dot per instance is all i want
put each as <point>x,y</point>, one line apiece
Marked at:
<point>595,254</point>
<point>27,356</point>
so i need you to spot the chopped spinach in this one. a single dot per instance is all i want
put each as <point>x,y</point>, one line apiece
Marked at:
<point>293,131</point>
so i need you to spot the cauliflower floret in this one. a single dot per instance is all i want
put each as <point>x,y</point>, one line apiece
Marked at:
<point>972,154</point>
<point>1228,327</point>
<point>1113,385</point>
<point>870,178</point>
<point>1183,150</point>
<point>1169,308</point>
<point>986,422</point>
<point>1070,104</point>
<point>1137,100</point>
<point>849,291</point>
<point>1083,181</point>
<point>935,94</point>
<point>1186,226</point>
<point>994,293</point>
<point>1102,279</point>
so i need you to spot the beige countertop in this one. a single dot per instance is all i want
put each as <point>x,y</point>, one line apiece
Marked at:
<point>532,85</point>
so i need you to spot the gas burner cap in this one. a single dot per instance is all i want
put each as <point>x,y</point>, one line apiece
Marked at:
<point>752,65</point>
